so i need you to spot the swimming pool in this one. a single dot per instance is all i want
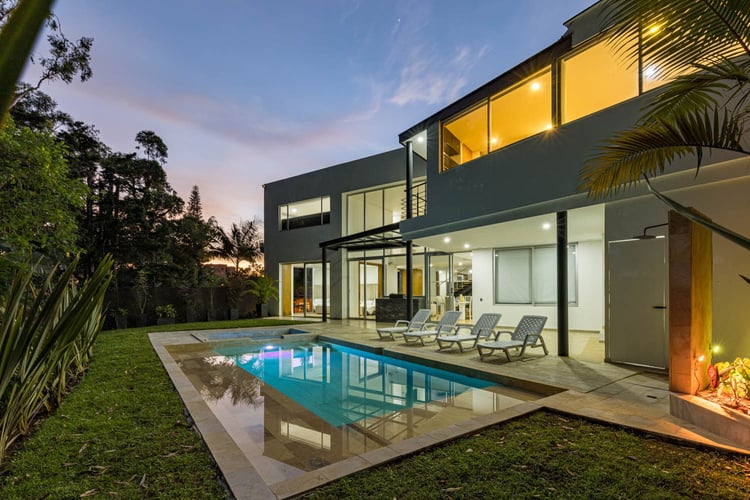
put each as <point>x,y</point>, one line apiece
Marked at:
<point>295,407</point>
<point>345,386</point>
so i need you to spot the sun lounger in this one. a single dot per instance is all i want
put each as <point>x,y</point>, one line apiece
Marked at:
<point>417,323</point>
<point>484,328</point>
<point>445,326</point>
<point>527,334</point>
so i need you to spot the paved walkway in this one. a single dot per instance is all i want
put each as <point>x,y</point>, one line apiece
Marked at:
<point>581,384</point>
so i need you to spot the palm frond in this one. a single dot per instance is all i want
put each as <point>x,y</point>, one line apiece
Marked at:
<point>679,33</point>
<point>698,218</point>
<point>648,149</point>
<point>708,87</point>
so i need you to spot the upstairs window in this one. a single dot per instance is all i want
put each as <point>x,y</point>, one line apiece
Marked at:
<point>312,212</point>
<point>596,78</point>
<point>522,111</point>
<point>465,137</point>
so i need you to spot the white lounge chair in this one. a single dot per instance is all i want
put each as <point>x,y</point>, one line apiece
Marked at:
<point>484,328</point>
<point>417,323</point>
<point>445,326</point>
<point>527,334</point>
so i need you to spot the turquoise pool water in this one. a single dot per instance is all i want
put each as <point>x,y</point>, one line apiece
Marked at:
<point>345,386</point>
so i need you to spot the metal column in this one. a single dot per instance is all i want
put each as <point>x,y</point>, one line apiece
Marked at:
<point>562,283</point>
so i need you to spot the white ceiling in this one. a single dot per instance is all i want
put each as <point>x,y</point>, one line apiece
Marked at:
<point>584,224</point>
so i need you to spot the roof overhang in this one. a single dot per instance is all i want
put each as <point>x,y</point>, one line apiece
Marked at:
<point>373,239</point>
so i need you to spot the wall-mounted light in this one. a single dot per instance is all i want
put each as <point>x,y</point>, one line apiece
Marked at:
<point>645,235</point>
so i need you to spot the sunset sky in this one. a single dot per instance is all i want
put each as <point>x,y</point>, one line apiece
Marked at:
<point>248,92</point>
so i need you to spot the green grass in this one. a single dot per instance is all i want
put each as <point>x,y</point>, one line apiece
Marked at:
<point>553,456</point>
<point>122,433</point>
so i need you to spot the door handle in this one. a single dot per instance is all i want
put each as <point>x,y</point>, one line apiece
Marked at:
<point>658,307</point>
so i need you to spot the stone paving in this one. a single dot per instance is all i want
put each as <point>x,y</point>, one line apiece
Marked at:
<point>580,384</point>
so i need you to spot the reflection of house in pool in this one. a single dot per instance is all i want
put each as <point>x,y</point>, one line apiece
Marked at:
<point>481,203</point>
<point>295,408</point>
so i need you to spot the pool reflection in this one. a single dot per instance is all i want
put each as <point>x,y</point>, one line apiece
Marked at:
<point>297,408</point>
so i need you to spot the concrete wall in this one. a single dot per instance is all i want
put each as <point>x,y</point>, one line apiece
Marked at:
<point>302,245</point>
<point>727,201</point>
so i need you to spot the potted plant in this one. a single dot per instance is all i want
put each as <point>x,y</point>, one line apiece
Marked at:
<point>263,288</point>
<point>121,318</point>
<point>166,314</point>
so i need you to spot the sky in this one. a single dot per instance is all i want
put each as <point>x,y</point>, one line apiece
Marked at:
<point>248,92</point>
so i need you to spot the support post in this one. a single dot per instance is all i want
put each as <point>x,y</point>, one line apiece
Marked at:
<point>562,283</point>
<point>324,289</point>
<point>409,179</point>
<point>409,279</point>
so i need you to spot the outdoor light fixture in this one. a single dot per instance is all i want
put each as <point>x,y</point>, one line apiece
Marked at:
<point>466,245</point>
<point>446,240</point>
<point>546,226</point>
<point>645,235</point>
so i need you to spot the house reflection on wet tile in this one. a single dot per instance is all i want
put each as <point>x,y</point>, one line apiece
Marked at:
<point>292,409</point>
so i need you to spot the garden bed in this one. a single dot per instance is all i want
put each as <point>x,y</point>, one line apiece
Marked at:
<point>722,420</point>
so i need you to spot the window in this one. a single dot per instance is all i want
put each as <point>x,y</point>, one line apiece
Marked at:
<point>312,212</point>
<point>529,275</point>
<point>465,137</point>
<point>596,78</point>
<point>373,209</point>
<point>521,112</point>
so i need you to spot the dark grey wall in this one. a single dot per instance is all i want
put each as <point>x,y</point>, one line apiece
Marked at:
<point>302,245</point>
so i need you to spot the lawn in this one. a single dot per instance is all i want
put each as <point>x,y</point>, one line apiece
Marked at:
<point>123,433</point>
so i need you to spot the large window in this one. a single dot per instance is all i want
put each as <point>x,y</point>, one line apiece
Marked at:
<point>512,115</point>
<point>596,78</point>
<point>373,209</point>
<point>465,137</point>
<point>313,212</point>
<point>528,275</point>
<point>521,112</point>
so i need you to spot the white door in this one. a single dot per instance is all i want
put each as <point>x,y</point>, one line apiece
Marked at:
<point>637,303</point>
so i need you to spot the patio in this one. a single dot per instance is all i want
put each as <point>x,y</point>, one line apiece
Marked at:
<point>581,384</point>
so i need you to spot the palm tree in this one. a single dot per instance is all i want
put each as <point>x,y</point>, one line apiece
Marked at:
<point>241,244</point>
<point>703,48</point>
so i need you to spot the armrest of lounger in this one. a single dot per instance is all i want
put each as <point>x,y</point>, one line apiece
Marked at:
<point>468,327</point>
<point>400,321</point>
<point>497,335</point>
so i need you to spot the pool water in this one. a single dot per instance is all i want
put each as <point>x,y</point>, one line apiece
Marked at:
<point>345,386</point>
<point>295,407</point>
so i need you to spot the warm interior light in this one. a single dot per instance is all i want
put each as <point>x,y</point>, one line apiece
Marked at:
<point>536,86</point>
<point>493,140</point>
<point>546,226</point>
<point>548,126</point>
<point>654,29</point>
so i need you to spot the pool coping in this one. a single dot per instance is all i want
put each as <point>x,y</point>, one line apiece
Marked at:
<point>241,478</point>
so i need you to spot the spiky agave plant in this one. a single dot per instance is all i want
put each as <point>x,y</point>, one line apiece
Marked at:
<point>46,334</point>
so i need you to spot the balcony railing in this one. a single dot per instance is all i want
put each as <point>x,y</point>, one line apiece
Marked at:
<point>419,201</point>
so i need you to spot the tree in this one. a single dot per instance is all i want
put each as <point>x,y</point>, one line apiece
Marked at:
<point>66,60</point>
<point>194,208</point>
<point>241,244</point>
<point>39,202</point>
<point>704,47</point>
<point>153,146</point>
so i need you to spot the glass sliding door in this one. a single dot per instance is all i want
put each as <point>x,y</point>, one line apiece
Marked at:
<point>365,285</point>
<point>301,291</point>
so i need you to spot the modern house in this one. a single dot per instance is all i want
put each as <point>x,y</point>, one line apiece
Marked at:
<point>479,211</point>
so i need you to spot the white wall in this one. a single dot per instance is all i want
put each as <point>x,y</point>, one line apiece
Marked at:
<point>587,315</point>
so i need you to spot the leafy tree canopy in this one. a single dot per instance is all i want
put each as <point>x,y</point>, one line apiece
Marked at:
<point>38,200</point>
